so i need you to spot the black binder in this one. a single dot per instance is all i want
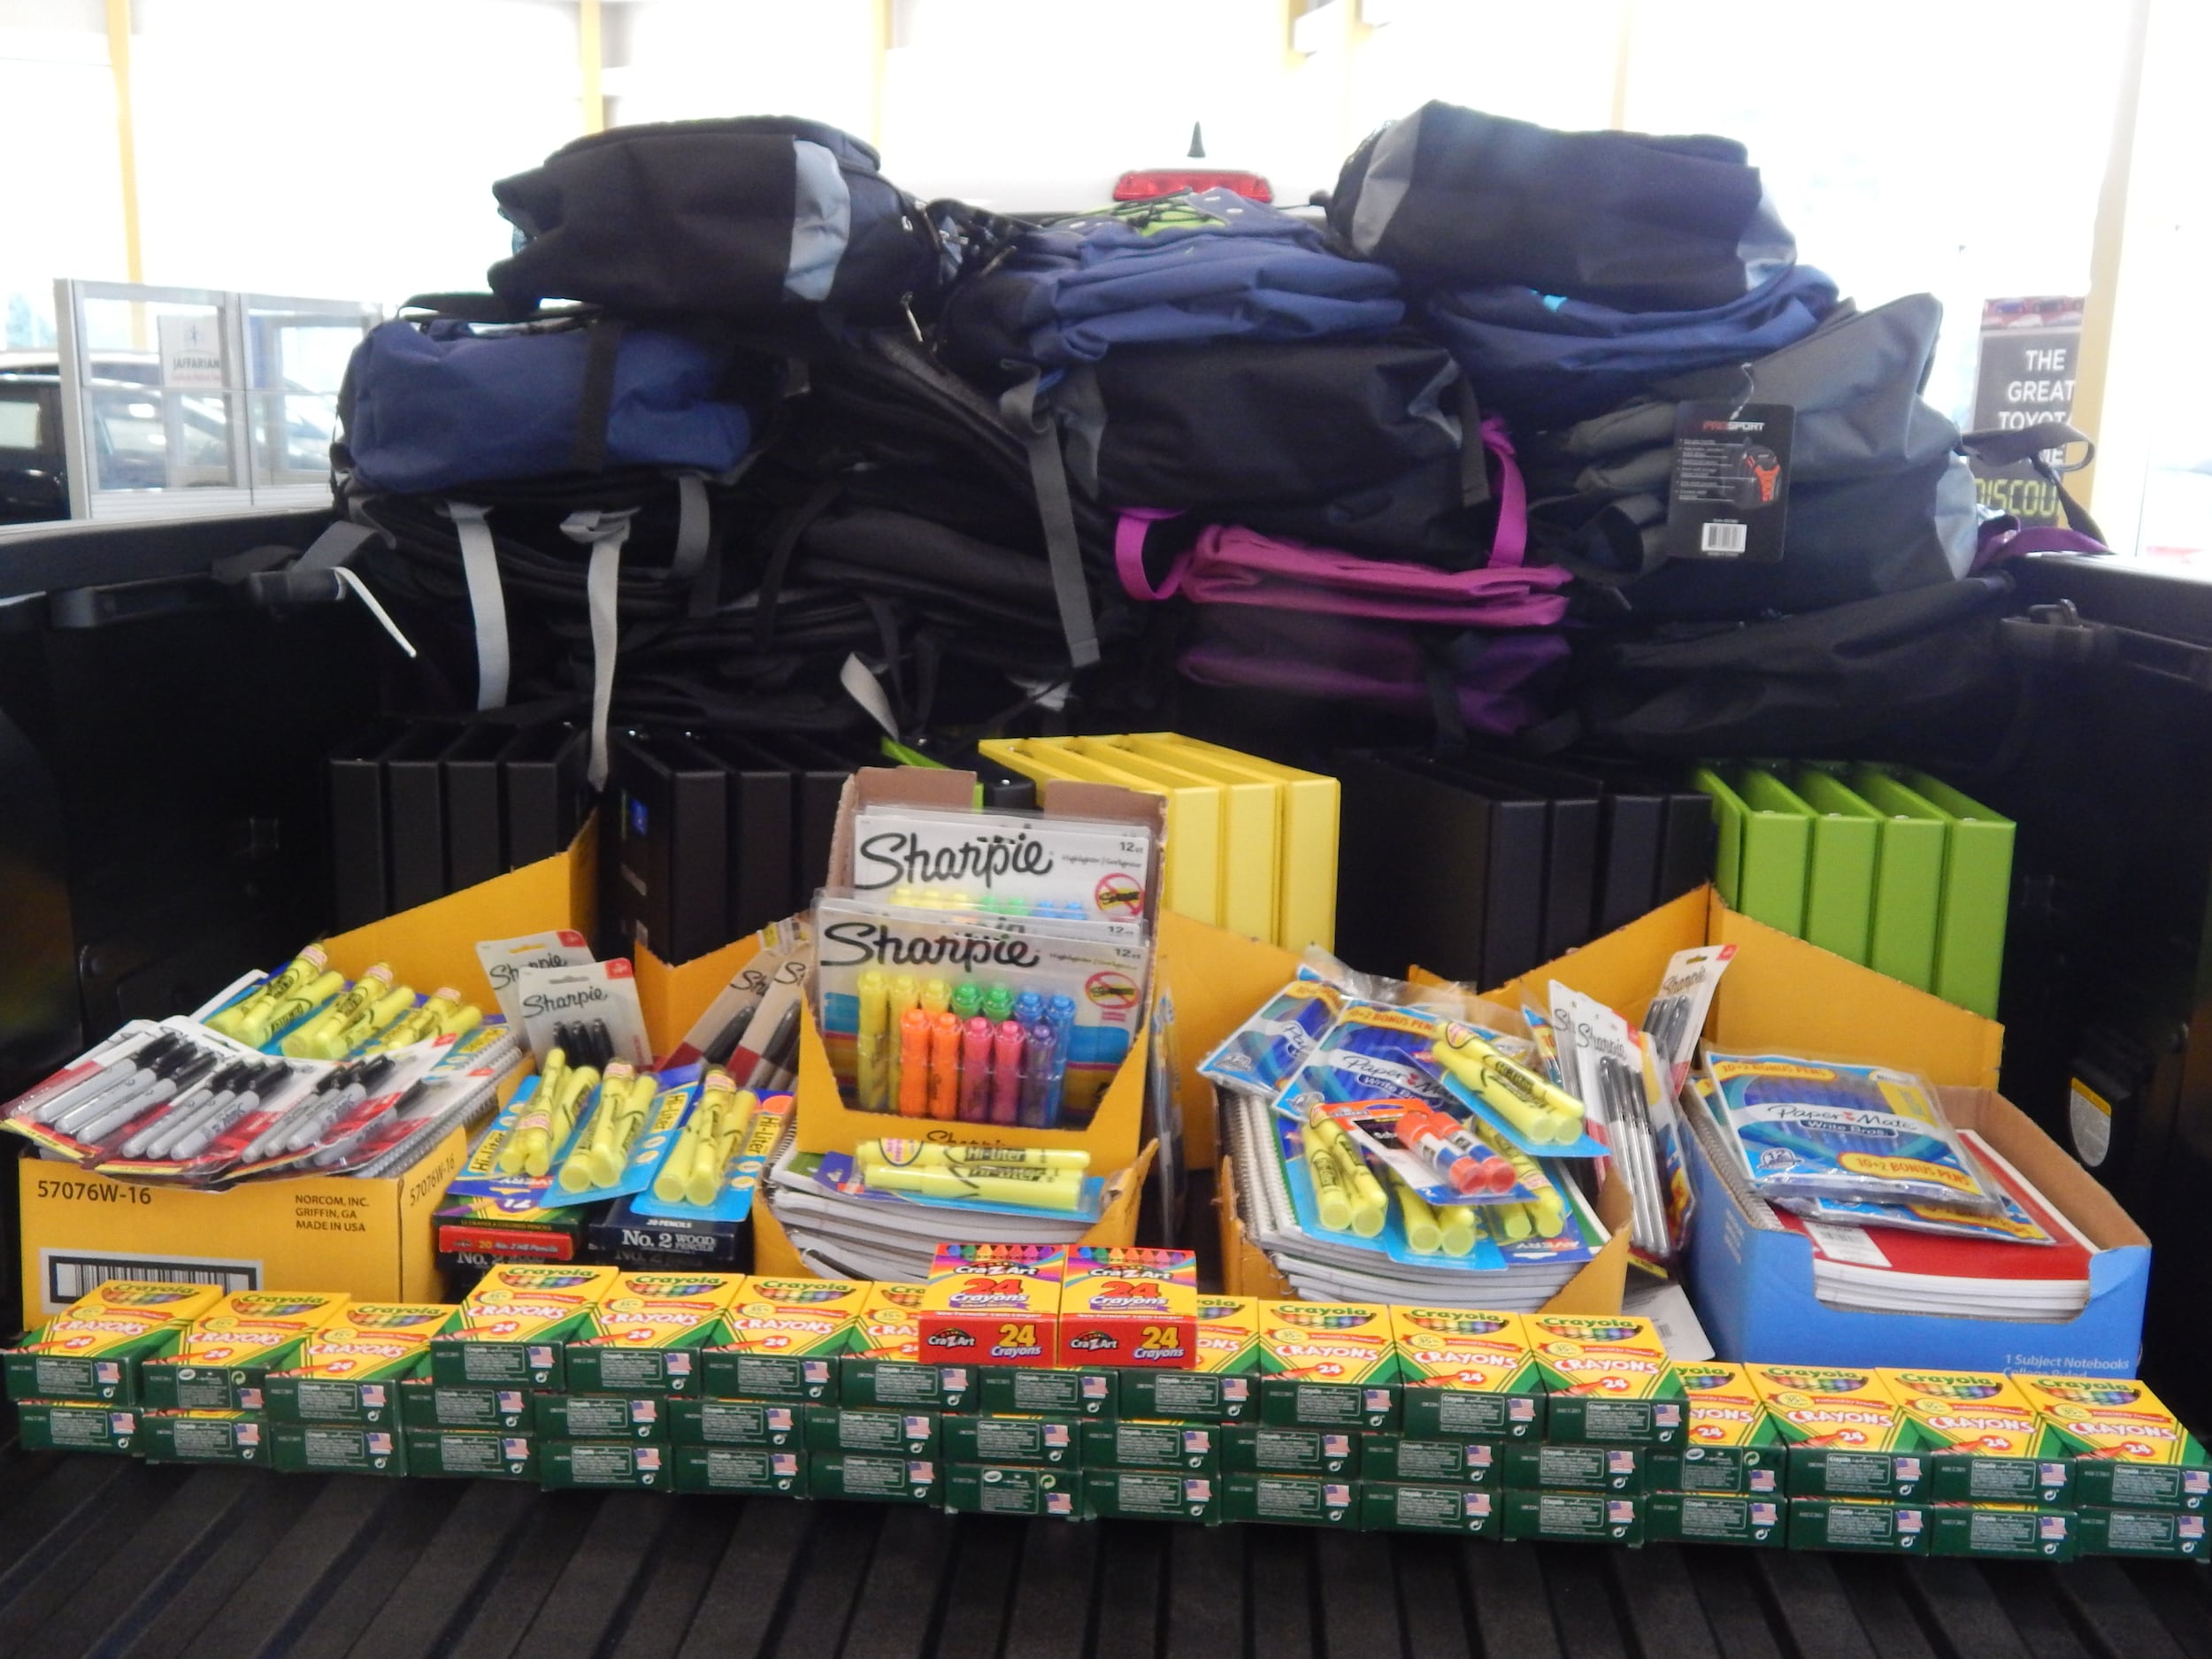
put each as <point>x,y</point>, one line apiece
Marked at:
<point>761,820</point>
<point>475,843</point>
<point>672,841</point>
<point>1572,843</point>
<point>360,856</point>
<point>414,815</point>
<point>543,777</point>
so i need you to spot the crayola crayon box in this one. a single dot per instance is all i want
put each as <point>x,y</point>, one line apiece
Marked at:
<point>601,1417</point>
<point>883,1367</point>
<point>1291,1500</point>
<point>64,1426</point>
<point>644,1335</point>
<point>476,1454</point>
<point>756,1469</point>
<point>1981,1436</point>
<point>1399,1506</point>
<point>203,1437</point>
<point>513,1326</point>
<point>300,1448</point>
<point>354,1369</point>
<point>1426,1462</point>
<point>1327,1366</point>
<point>2002,1531</point>
<point>2129,1451</point>
<point>848,1429</point>
<point>1013,1489</point>
<point>1844,1434</point>
<point>1129,1306</point>
<point>2155,1533</point>
<point>1254,1448</point>
<point>1466,1372</point>
<point>1576,1468</point>
<point>993,1304</point>
<point>564,1464</point>
<point>1151,1496</point>
<point>1608,1379</point>
<point>1859,1524</point>
<point>486,1409</point>
<point>878,1477</point>
<point>736,1422</point>
<point>1054,1442</point>
<point>92,1348</point>
<point>1133,1443</point>
<point>1061,1392</point>
<point>1714,1517</point>
<point>784,1339</point>
<point>1590,1517</point>
<point>225,1356</point>
<point>1729,1446</point>
<point>1218,1386</point>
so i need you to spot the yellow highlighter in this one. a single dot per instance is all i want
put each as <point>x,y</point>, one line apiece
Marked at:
<point>1457,1222</point>
<point>1331,1193</point>
<point>576,1087</point>
<point>903,995</point>
<point>1371,1205</point>
<point>375,1018</point>
<point>323,1037</point>
<point>873,1042</point>
<point>981,1160</point>
<point>303,968</point>
<point>1033,1189</point>
<point>1546,1210</point>
<point>672,1179</point>
<point>516,1147</point>
<point>1546,1115</point>
<point>278,1011</point>
<point>1425,1234</point>
<point>705,1179</point>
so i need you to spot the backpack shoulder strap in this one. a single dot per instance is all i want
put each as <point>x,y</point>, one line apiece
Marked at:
<point>2000,448</point>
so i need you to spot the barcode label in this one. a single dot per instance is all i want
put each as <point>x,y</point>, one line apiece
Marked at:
<point>69,1275</point>
<point>1723,537</point>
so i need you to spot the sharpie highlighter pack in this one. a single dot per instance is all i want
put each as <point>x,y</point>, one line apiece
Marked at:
<point>1019,864</point>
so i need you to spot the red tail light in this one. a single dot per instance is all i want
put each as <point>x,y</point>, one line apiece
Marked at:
<point>1143,186</point>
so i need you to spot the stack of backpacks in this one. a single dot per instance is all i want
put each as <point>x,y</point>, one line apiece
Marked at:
<point>738,410</point>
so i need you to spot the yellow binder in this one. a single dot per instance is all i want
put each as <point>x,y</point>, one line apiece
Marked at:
<point>1250,826</point>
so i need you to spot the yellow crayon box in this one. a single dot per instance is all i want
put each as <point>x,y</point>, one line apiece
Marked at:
<point>993,1304</point>
<point>1464,1372</point>
<point>1730,1447</point>
<point>513,1328</point>
<point>1220,1385</point>
<point>883,1367</point>
<point>2129,1450</point>
<point>129,1298</point>
<point>1610,1380</point>
<point>782,1340</point>
<point>1129,1306</point>
<point>1328,1364</point>
<point>93,1349</point>
<point>1981,1436</point>
<point>644,1334</point>
<point>354,1369</point>
<point>226,1355</point>
<point>1845,1433</point>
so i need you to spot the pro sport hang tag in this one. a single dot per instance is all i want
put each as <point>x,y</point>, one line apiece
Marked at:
<point>1728,495</point>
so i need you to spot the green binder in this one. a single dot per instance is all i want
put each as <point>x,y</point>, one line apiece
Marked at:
<point>1760,863</point>
<point>1977,895</point>
<point>1907,879</point>
<point>1841,875</point>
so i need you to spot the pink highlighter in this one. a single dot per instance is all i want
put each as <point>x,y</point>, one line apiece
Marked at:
<point>1006,1072</point>
<point>975,1071</point>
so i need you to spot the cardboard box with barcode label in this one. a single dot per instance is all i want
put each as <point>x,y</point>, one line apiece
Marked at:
<point>370,1238</point>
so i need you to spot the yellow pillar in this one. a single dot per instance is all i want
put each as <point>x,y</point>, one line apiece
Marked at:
<point>590,54</point>
<point>118,13</point>
<point>2094,360</point>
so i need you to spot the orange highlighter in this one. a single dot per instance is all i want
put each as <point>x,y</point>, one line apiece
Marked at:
<point>913,1063</point>
<point>944,1066</point>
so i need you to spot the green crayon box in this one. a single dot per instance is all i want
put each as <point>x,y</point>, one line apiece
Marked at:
<point>1753,1471</point>
<point>1194,1447</point>
<point>1013,1489</point>
<point>1254,1448</point>
<point>1151,1496</point>
<point>2153,1532</point>
<point>1072,1393</point>
<point>1430,1461</point>
<point>733,1423</point>
<point>878,1477</point>
<point>1733,1446</point>
<point>1327,1366</point>
<point>1291,1500</point>
<point>476,1454</point>
<point>423,1405</point>
<point>755,1469</point>
<point>229,1376</point>
<point>1467,1374</point>
<point>1607,1379</point>
<point>1033,1439</point>
<point>884,1368</point>
<point>910,1435</point>
<point>644,1335</point>
<point>355,1365</point>
<point>786,1339</point>
<point>63,1425</point>
<point>564,1464</point>
<point>1858,1524</point>
<point>1576,1468</point>
<point>203,1437</point>
<point>1402,1505</point>
<point>82,1357</point>
<point>580,1416</point>
<point>2002,1531</point>
<point>1220,1386</point>
<point>1712,1517</point>
<point>514,1327</point>
<point>1575,1516</point>
<point>299,1448</point>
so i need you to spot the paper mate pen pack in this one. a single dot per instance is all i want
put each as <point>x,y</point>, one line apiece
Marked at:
<point>513,1326</point>
<point>784,1338</point>
<point>1608,1377</point>
<point>1221,1384</point>
<point>2002,1531</point>
<point>1327,1366</point>
<point>884,1366</point>
<point>355,1368</point>
<point>1982,1437</point>
<point>1846,1435</point>
<point>1401,1505</point>
<point>1130,1306</point>
<point>1258,1054</point>
<point>708,1469</point>
<point>1730,1444</point>
<point>1075,867</point>
<point>1013,1489</point>
<point>993,1304</point>
<point>1370,1051</point>
<point>1465,1371</point>
<point>2129,1450</point>
<point>202,1437</point>
<point>1811,1129</point>
<point>644,1334</point>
